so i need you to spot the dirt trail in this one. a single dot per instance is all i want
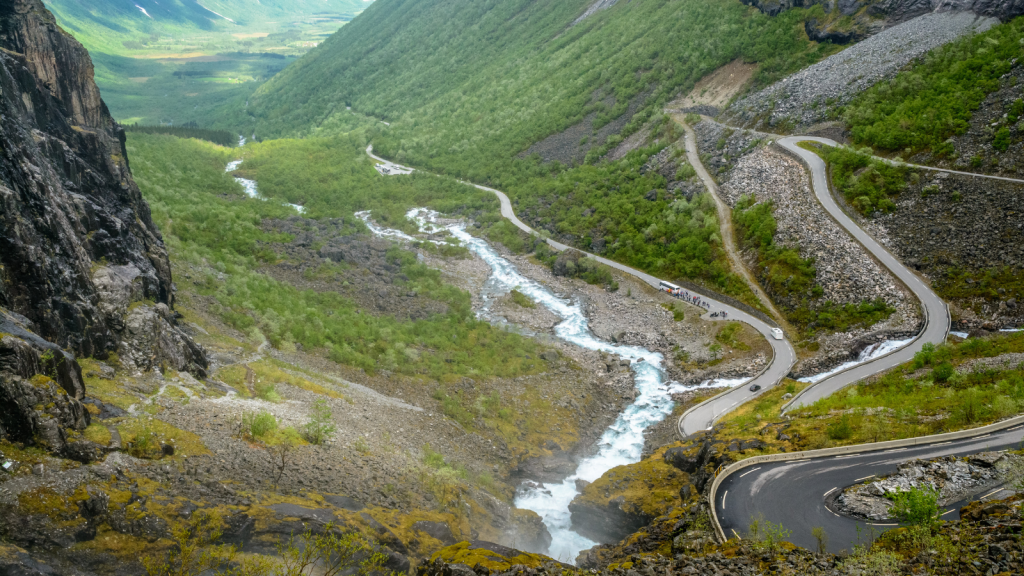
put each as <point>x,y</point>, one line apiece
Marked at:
<point>725,221</point>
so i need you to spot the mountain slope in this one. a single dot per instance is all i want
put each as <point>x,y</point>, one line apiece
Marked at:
<point>468,83</point>
<point>174,61</point>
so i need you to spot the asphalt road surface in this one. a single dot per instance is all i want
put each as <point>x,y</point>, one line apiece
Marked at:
<point>704,415</point>
<point>794,493</point>
<point>936,314</point>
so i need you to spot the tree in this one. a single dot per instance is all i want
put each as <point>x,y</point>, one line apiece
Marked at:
<point>821,537</point>
<point>321,424</point>
<point>280,445</point>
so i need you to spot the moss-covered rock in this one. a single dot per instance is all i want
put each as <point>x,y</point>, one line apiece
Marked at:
<point>489,555</point>
<point>627,498</point>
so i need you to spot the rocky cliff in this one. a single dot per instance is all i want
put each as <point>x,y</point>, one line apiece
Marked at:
<point>848,21</point>
<point>83,270</point>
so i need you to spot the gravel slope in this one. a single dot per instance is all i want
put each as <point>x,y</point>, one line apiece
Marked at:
<point>811,96</point>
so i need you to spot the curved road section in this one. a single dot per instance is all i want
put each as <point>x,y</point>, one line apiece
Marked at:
<point>703,415</point>
<point>798,494</point>
<point>935,311</point>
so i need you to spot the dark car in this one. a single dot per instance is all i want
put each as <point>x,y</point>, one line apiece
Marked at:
<point>755,387</point>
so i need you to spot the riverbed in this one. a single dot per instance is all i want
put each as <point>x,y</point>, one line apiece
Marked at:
<point>622,443</point>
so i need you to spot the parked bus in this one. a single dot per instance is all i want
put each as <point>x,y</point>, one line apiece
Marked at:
<point>669,287</point>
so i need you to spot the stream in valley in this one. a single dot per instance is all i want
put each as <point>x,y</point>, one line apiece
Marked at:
<point>622,443</point>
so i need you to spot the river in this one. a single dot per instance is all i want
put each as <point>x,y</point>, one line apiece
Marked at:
<point>250,185</point>
<point>622,443</point>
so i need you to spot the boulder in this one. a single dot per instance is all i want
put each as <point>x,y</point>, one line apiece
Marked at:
<point>437,530</point>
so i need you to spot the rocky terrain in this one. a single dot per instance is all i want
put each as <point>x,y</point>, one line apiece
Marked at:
<point>973,151</point>
<point>813,94</point>
<point>965,235</point>
<point>745,163</point>
<point>953,477</point>
<point>83,270</point>
<point>984,542</point>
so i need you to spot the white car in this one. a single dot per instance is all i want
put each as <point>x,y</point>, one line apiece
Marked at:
<point>778,334</point>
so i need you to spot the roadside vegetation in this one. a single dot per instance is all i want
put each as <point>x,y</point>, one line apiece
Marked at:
<point>865,182</point>
<point>791,279</point>
<point>945,388</point>
<point>208,222</point>
<point>928,103</point>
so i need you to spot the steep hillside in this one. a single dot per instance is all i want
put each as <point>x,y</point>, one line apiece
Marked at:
<point>83,270</point>
<point>503,76</point>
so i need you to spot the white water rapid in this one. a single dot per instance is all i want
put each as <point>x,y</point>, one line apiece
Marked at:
<point>869,353</point>
<point>250,185</point>
<point>622,443</point>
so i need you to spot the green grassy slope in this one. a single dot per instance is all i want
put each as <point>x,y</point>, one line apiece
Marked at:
<point>467,85</point>
<point>179,60</point>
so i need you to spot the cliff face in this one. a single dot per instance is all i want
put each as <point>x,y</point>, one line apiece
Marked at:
<point>83,270</point>
<point>867,17</point>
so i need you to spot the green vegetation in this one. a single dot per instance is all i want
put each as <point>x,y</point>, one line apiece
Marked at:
<point>320,426</point>
<point>573,264</point>
<point>222,137</point>
<point>178,62</point>
<point>210,225</point>
<point>667,238</point>
<point>925,105</point>
<point>865,182</point>
<point>791,280</point>
<point>257,425</point>
<point>934,393</point>
<point>521,299</point>
<point>918,506</point>
<point>334,177</point>
<point>974,288</point>
<point>677,314</point>
<point>517,72</point>
<point>766,535</point>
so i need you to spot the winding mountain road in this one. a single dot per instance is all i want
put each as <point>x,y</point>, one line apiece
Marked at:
<point>771,490</point>
<point>724,219</point>
<point>703,415</point>
<point>934,310</point>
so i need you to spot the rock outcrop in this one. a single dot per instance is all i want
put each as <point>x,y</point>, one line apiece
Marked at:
<point>83,269</point>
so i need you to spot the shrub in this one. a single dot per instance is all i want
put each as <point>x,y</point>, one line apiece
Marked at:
<point>1001,141</point>
<point>321,423</point>
<point>144,443</point>
<point>767,535</point>
<point>971,407</point>
<point>841,429</point>
<point>918,506</point>
<point>521,299</point>
<point>943,372</point>
<point>685,171</point>
<point>257,425</point>
<point>267,392</point>
<point>924,356</point>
